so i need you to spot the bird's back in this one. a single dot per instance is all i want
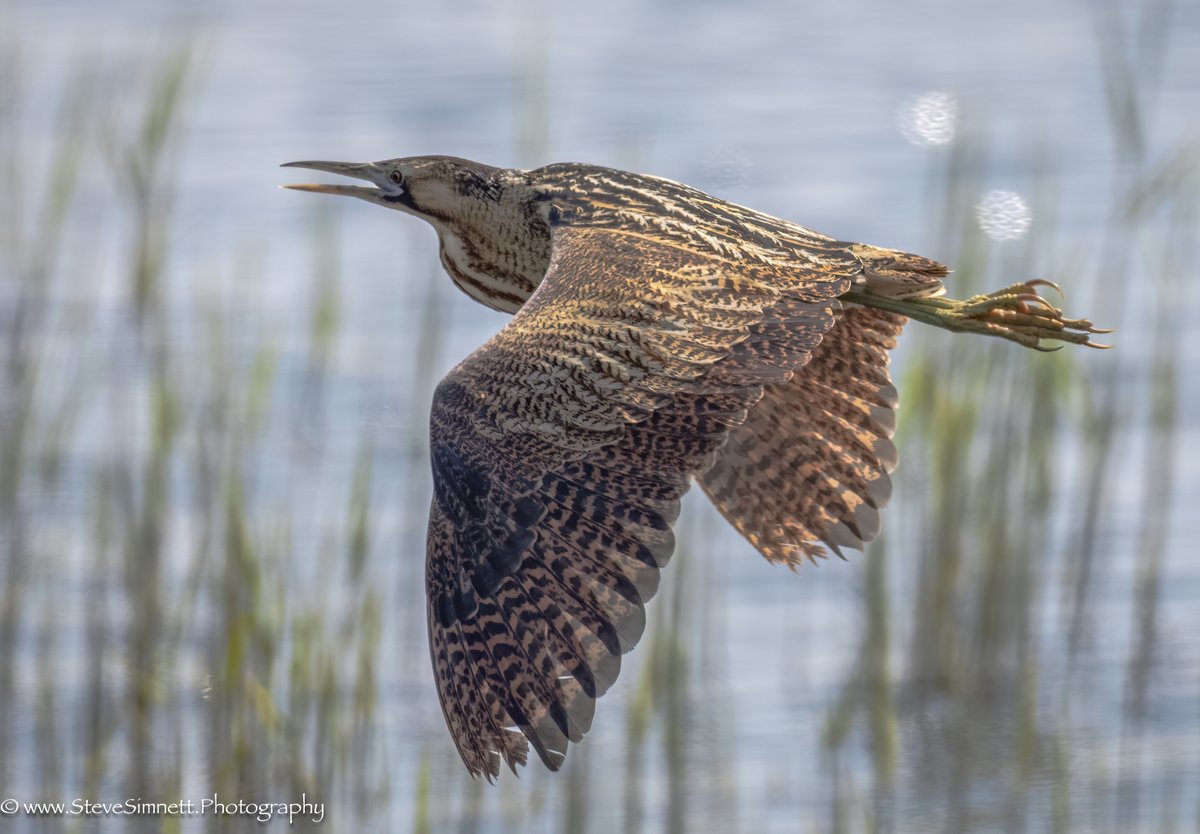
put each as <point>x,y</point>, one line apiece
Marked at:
<point>671,212</point>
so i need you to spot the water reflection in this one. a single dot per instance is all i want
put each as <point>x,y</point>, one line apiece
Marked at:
<point>1003,215</point>
<point>930,119</point>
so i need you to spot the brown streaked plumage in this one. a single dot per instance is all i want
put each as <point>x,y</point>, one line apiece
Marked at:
<point>811,463</point>
<point>660,334</point>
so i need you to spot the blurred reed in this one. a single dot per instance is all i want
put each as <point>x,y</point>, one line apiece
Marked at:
<point>203,651</point>
<point>986,434</point>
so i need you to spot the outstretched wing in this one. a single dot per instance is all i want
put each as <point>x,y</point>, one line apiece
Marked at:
<point>561,449</point>
<point>811,463</point>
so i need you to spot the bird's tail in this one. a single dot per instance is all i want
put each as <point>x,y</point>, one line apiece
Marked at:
<point>894,274</point>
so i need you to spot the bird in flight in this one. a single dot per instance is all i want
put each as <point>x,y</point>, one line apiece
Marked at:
<point>659,334</point>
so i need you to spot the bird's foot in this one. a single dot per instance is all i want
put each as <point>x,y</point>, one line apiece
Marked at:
<point>1019,313</point>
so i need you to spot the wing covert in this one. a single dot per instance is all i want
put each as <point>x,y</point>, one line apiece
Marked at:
<point>560,452</point>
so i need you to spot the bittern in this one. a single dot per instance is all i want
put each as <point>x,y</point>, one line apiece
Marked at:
<point>659,334</point>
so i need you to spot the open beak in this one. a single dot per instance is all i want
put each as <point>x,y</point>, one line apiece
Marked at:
<point>358,170</point>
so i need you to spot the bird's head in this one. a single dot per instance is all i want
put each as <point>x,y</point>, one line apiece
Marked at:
<point>436,188</point>
<point>493,242</point>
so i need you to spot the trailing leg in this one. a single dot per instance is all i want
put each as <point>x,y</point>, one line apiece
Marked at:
<point>1018,313</point>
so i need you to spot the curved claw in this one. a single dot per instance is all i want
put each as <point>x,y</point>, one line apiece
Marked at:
<point>1042,282</point>
<point>1093,329</point>
<point>1055,349</point>
<point>1097,345</point>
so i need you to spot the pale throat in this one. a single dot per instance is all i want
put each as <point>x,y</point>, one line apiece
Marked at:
<point>500,271</point>
<point>490,278</point>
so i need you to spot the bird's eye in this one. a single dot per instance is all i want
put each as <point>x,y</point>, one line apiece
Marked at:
<point>396,177</point>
